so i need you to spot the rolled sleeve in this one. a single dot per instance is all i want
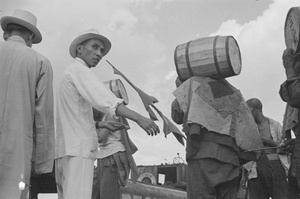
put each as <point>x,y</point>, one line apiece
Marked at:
<point>95,92</point>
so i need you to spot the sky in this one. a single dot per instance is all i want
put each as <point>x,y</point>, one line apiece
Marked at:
<point>144,35</point>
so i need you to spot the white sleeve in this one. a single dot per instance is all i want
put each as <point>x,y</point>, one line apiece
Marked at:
<point>95,92</point>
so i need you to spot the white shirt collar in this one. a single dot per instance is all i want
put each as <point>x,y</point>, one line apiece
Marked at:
<point>81,61</point>
<point>16,38</point>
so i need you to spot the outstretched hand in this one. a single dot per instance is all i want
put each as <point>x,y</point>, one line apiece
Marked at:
<point>112,125</point>
<point>287,145</point>
<point>148,125</point>
<point>145,123</point>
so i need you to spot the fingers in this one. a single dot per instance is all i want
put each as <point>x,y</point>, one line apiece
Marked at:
<point>153,129</point>
<point>151,132</point>
<point>148,125</point>
<point>114,126</point>
<point>118,124</point>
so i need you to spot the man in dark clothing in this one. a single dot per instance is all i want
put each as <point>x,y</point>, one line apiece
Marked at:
<point>212,151</point>
<point>271,178</point>
<point>290,93</point>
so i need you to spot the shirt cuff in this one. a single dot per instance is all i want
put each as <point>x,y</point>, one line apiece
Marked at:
<point>113,110</point>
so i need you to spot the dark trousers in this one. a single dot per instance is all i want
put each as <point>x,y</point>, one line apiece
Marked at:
<point>209,178</point>
<point>293,189</point>
<point>106,183</point>
<point>294,171</point>
<point>271,181</point>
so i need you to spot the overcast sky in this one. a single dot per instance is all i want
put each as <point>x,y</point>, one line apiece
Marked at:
<point>144,34</point>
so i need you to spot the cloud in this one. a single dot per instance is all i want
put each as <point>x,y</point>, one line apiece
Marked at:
<point>261,43</point>
<point>123,19</point>
<point>158,2</point>
<point>230,27</point>
<point>171,75</point>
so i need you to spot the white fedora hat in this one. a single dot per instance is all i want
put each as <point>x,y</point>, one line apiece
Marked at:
<point>89,34</point>
<point>23,18</point>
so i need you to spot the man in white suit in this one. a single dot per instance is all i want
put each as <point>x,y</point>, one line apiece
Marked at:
<point>26,106</point>
<point>76,138</point>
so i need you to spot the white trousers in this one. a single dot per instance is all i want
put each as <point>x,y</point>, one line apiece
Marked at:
<point>74,177</point>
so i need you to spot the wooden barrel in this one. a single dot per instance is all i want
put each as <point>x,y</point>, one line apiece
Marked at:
<point>216,57</point>
<point>291,29</point>
<point>117,87</point>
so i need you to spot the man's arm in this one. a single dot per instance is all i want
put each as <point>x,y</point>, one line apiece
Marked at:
<point>110,125</point>
<point>145,123</point>
<point>176,113</point>
<point>269,143</point>
<point>94,91</point>
<point>44,120</point>
<point>290,89</point>
<point>102,99</point>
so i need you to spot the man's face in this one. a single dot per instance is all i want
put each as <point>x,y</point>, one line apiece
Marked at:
<point>253,111</point>
<point>250,108</point>
<point>91,52</point>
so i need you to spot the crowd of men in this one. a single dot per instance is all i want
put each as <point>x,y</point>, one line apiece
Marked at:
<point>28,142</point>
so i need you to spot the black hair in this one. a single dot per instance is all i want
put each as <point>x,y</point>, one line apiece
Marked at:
<point>11,27</point>
<point>255,103</point>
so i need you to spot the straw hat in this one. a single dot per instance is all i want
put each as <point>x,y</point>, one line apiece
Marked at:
<point>23,18</point>
<point>89,34</point>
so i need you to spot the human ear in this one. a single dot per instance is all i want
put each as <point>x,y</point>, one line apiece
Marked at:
<point>29,40</point>
<point>78,50</point>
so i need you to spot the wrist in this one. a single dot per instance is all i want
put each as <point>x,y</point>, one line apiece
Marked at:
<point>99,125</point>
<point>136,117</point>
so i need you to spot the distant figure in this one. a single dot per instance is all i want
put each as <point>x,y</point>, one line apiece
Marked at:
<point>76,138</point>
<point>26,106</point>
<point>209,111</point>
<point>271,178</point>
